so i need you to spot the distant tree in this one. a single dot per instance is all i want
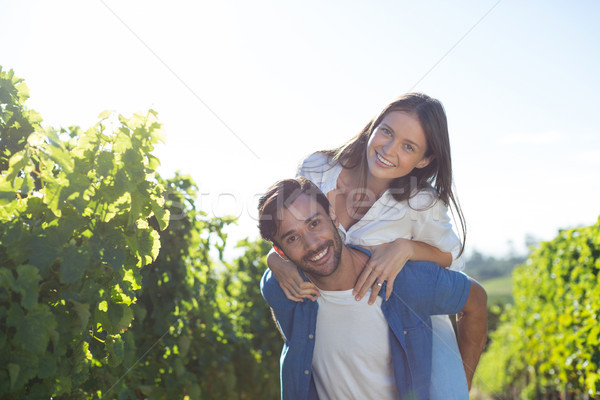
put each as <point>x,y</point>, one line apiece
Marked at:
<point>483,267</point>
<point>531,241</point>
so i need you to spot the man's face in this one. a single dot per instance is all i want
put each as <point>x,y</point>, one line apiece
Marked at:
<point>309,238</point>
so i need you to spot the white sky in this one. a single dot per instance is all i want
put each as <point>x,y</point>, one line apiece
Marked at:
<point>521,89</point>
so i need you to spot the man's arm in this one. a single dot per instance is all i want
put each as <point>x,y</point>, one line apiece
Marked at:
<point>472,329</point>
<point>281,307</point>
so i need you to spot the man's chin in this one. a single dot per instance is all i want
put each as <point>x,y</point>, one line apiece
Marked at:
<point>322,271</point>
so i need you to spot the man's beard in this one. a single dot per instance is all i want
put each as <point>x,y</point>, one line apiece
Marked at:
<point>335,245</point>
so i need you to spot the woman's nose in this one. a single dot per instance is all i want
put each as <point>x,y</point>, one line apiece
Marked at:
<point>390,147</point>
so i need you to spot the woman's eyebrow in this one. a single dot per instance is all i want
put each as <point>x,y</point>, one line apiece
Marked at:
<point>412,143</point>
<point>383,124</point>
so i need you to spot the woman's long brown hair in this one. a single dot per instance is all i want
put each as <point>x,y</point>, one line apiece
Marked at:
<point>437,174</point>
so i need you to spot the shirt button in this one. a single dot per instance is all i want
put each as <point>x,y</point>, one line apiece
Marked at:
<point>311,336</point>
<point>405,332</point>
<point>306,372</point>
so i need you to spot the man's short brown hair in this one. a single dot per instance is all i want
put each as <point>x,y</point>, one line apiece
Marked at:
<point>279,197</point>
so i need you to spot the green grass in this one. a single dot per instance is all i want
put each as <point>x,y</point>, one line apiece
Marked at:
<point>499,290</point>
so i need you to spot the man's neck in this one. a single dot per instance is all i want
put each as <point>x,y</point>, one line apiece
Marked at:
<point>352,262</point>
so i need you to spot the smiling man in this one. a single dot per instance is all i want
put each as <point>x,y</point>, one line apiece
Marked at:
<point>340,348</point>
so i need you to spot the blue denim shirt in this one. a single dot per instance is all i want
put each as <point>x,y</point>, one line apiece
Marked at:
<point>421,289</point>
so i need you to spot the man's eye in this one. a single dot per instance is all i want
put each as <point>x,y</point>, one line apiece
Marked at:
<point>291,239</point>
<point>314,223</point>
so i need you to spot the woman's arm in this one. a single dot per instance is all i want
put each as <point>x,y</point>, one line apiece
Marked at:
<point>426,252</point>
<point>286,272</point>
<point>388,259</point>
<point>433,226</point>
<point>292,284</point>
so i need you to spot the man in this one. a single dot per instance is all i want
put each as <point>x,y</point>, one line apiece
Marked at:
<point>338,348</point>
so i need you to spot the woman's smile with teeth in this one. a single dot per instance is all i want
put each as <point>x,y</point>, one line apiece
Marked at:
<point>320,255</point>
<point>384,161</point>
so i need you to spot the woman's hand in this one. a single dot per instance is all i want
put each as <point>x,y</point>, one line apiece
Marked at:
<point>387,260</point>
<point>294,287</point>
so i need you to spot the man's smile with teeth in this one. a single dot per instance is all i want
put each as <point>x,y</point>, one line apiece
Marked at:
<point>383,160</point>
<point>320,255</point>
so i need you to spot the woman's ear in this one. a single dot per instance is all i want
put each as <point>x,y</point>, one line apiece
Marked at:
<point>280,252</point>
<point>425,161</point>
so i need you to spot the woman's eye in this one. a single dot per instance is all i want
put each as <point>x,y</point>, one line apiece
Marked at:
<point>409,147</point>
<point>314,223</point>
<point>386,131</point>
<point>291,239</point>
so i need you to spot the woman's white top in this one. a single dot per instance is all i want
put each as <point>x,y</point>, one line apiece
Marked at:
<point>423,217</point>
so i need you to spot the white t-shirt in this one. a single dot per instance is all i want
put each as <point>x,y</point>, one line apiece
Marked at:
<point>423,217</point>
<point>352,356</point>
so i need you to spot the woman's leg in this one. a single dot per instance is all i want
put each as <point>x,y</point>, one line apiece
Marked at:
<point>448,380</point>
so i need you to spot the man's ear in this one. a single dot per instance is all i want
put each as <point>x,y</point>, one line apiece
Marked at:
<point>280,252</point>
<point>425,161</point>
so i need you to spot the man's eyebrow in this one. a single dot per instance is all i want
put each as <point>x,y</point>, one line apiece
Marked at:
<point>288,233</point>
<point>306,221</point>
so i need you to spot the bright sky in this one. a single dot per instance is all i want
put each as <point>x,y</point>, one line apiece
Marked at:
<point>246,89</point>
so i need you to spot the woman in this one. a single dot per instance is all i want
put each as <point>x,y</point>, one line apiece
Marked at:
<point>390,187</point>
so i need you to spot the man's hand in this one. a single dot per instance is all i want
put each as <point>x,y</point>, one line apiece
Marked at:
<point>472,329</point>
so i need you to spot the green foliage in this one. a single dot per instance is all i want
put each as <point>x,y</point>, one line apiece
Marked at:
<point>549,342</point>
<point>209,329</point>
<point>89,306</point>
<point>256,358</point>
<point>16,121</point>
<point>73,237</point>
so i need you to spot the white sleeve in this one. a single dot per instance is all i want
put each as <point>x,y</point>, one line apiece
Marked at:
<point>313,168</point>
<point>300,168</point>
<point>434,228</point>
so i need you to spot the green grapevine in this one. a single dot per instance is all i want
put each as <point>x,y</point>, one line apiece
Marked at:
<point>74,237</point>
<point>549,342</point>
<point>107,289</point>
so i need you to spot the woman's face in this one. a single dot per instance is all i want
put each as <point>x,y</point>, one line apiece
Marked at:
<point>397,146</point>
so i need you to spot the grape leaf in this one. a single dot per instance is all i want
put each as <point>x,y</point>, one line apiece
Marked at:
<point>13,372</point>
<point>27,284</point>
<point>33,330</point>
<point>74,264</point>
<point>83,313</point>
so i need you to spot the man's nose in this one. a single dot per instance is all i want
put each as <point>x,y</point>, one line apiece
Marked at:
<point>310,242</point>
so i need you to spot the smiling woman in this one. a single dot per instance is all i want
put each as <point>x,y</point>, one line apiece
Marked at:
<point>390,187</point>
<point>397,146</point>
